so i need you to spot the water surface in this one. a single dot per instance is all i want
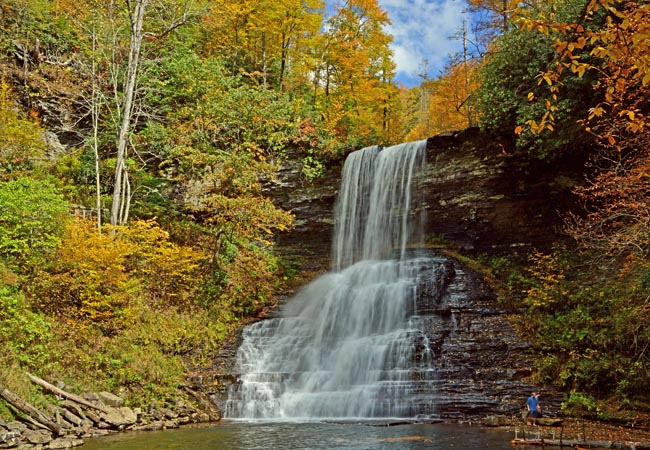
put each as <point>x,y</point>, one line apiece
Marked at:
<point>310,436</point>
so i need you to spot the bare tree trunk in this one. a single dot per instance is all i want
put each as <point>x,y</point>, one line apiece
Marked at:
<point>29,410</point>
<point>62,393</point>
<point>95,118</point>
<point>120,206</point>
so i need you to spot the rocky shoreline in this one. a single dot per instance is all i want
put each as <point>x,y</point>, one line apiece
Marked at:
<point>72,419</point>
<point>573,432</point>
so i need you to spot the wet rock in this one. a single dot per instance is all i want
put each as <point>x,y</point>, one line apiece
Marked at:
<point>481,197</point>
<point>498,420</point>
<point>153,426</point>
<point>170,424</point>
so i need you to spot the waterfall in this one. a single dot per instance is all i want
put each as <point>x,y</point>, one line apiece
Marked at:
<point>373,207</point>
<point>351,344</point>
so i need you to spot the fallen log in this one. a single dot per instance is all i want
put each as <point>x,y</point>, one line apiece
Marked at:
<point>29,410</point>
<point>75,398</point>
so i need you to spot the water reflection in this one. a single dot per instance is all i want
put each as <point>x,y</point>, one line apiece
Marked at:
<point>309,436</point>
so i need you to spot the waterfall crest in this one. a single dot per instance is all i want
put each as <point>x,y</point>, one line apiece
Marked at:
<point>350,345</point>
<point>373,209</point>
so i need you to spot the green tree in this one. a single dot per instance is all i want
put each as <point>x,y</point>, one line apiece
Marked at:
<point>513,92</point>
<point>21,142</point>
<point>32,219</point>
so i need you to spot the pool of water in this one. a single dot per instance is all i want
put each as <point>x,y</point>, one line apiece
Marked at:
<point>310,436</point>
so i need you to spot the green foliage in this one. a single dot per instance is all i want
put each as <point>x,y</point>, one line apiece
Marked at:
<point>513,91</point>
<point>589,325</point>
<point>26,20</point>
<point>23,333</point>
<point>580,405</point>
<point>32,217</point>
<point>20,138</point>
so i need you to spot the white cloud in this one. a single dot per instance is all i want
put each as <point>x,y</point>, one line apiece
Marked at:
<point>423,30</point>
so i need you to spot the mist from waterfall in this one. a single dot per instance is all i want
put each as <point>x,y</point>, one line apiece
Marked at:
<point>350,345</point>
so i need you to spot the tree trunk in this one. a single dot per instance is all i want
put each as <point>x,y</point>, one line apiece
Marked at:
<point>120,206</point>
<point>29,410</point>
<point>62,393</point>
<point>95,143</point>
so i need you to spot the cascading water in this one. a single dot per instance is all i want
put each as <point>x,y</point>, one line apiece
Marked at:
<point>350,345</point>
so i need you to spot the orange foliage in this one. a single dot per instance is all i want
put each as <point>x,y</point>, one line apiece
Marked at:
<point>622,48</point>
<point>447,105</point>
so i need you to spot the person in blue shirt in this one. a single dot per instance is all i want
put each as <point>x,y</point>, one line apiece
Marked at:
<point>533,408</point>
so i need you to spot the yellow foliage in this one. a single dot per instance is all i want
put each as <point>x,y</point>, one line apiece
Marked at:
<point>548,272</point>
<point>170,272</point>
<point>89,280</point>
<point>105,277</point>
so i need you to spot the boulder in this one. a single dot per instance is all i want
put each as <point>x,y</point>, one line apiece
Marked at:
<point>93,416</point>
<point>37,436</point>
<point>72,418</point>
<point>153,426</point>
<point>65,442</point>
<point>110,399</point>
<point>549,421</point>
<point>119,417</point>
<point>497,420</point>
<point>10,438</point>
<point>16,426</point>
<point>171,424</point>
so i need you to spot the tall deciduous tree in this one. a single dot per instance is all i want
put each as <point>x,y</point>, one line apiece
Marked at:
<point>268,40</point>
<point>121,186</point>
<point>355,77</point>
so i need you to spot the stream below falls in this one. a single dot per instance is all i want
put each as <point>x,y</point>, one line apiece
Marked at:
<point>310,436</point>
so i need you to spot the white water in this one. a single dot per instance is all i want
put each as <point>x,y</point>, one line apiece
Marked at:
<point>350,344</point>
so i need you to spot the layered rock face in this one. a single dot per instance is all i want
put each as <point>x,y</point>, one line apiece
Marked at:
<point>473,197</point>
<point>480,198</point>
<point>476,196</point>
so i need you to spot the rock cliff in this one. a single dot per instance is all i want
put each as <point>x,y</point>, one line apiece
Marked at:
<point>476,198</point>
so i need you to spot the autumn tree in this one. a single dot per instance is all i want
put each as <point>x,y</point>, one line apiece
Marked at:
<point>513,91</point>
<point>609,43</point>
<point>270,41</point>
<point>353,81</point>
<point>449,103</point>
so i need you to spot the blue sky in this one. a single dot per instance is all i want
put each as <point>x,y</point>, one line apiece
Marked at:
<point>424,30</point>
